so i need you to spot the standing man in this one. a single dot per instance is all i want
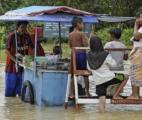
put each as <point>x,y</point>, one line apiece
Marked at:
<point>13,74</point>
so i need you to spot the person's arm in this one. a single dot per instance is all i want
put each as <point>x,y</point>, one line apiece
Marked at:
<point>110,61</point>
<point>138,34</point>
<point>10,55</point>
<point>70,44</point>
<point>107,46</point>
<point>125,57</point>
<point>137,30</point>
<point>84,40</point>
<point>31,44</point>
<point>9,43</point>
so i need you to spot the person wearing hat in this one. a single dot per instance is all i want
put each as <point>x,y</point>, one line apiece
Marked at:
<point>118,56</point>
<point>13,76</point>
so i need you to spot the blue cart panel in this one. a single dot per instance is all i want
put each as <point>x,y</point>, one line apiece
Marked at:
<point>49,86</point>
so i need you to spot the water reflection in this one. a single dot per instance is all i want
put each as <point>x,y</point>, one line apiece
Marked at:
<point>14,109</point>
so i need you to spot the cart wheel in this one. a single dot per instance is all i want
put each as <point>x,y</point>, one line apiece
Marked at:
<point>27,92</point>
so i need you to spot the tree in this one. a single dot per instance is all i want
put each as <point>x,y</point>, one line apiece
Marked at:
<point>113,7</point>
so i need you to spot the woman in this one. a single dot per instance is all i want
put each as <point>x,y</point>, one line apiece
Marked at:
<point>99,62</point>
<point>136,58</point>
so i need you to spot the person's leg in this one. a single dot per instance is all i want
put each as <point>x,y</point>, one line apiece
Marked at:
<point>135,88</point>
<point>82,65</point>
<point>72,89</point>
<point>136,74</point>
<point>101,92</point>
<point>86,79</point>
<point>19,83</point>
<point>113,82</point>
<point>135,92</point>
<point>102,102</point>
<point>10,84</point>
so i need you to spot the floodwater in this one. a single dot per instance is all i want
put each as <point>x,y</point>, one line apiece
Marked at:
<point>14,109</point>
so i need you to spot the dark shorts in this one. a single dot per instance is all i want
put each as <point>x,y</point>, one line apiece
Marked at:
<point>13,84</point>
<point>101,89</point>
<point>81,60</point>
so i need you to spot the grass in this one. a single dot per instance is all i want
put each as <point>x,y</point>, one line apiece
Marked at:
<point>65,48</point>
<point>2,56</point>
<point>47,48</point>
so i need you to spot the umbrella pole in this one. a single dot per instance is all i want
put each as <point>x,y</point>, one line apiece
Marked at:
<point>35,51</point>
<point>60,43</point>
<point>16,65</point>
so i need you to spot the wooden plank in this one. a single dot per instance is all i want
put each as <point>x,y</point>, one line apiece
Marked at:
<point>126,101</point>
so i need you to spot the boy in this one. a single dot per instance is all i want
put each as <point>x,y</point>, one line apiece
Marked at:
<point>115,42</point>
<point>78,39</point>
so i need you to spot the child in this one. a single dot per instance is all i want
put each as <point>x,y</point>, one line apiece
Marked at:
<point>115,42</point>
<point>77,38</point>
<point>57,50</point>
<point>98,63</point>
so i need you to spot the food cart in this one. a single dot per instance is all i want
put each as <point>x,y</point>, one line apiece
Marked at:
<point>45,84</point>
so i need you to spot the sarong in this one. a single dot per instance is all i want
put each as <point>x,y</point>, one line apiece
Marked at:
<point>136,68</point>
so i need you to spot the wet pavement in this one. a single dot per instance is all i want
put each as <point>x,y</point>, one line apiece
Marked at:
<point>14,109</point>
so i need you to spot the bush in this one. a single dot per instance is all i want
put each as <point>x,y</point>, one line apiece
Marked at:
<point>126,35</point>
<point>103,34</point>
<point>2,37</point>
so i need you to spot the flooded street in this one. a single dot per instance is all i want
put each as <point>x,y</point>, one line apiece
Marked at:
<point>14,109</point>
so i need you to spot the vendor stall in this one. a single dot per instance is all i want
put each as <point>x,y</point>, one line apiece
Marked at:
<point>45,78</point>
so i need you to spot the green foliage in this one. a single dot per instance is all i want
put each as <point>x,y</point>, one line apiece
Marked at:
<point>103,34</point>
<point>43,40</point>
<point>2,37</point>
<point>113,7</point>
<point>126,35</point>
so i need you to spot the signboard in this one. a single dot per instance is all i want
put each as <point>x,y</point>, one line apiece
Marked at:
<point>51,30</point>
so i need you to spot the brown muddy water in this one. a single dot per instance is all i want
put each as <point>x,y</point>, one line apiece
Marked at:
<point>14,109</point>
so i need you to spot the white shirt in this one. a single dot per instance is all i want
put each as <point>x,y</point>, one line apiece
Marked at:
<point>138,43</point>
<point>116,55</point>
<point>103,74</point>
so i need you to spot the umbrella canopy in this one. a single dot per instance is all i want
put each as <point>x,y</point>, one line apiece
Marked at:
<point>40,10</point>
<point>59,17</point>
<point>48,14</point>
<point>114,19</point>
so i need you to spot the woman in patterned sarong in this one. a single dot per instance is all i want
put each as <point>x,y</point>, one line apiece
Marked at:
<point>136,58</point>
